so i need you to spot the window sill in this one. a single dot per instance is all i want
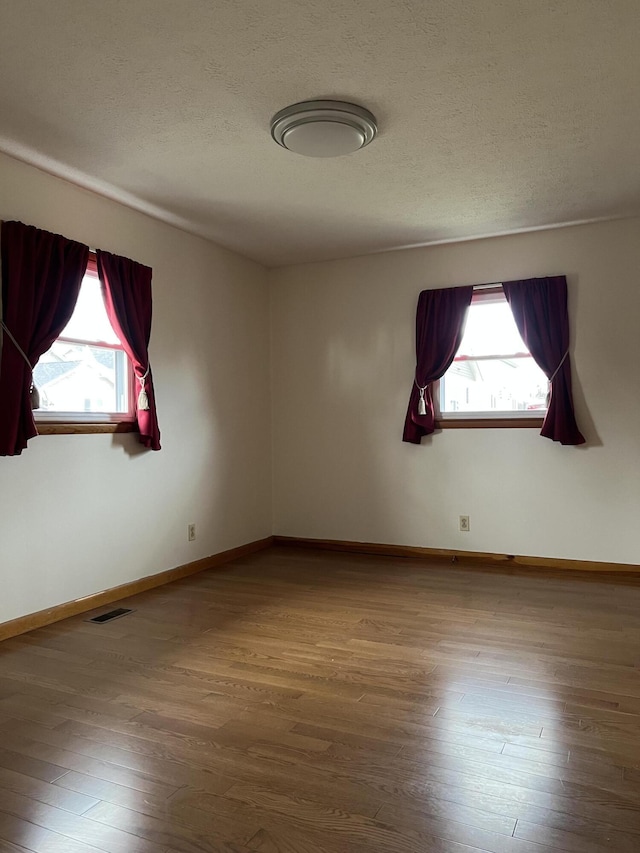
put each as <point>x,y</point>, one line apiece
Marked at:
<point>490,423</point>
<point>68,428</point>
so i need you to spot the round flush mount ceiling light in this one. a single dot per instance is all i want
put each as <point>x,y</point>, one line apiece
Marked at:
<point>323,128</point>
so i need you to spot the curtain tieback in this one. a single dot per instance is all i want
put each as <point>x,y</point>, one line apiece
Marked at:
<point>553,376</point>
<point>422,406</point>
<point>143,398</point>
<point>34,394</point>
<point>555,372</point>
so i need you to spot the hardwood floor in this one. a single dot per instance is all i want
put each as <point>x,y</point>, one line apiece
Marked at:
<point>300,701</point>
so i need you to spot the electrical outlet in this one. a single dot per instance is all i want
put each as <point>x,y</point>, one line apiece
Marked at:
<point>191,532</point>
<point>464,523</point>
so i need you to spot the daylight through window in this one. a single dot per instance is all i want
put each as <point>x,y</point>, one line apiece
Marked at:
<point>86,374</point>
<point>493,374</point>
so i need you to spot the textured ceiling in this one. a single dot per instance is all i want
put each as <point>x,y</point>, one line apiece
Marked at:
<point>495,115</point>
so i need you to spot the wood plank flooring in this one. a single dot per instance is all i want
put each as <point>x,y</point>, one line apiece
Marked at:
<point>309,702</point>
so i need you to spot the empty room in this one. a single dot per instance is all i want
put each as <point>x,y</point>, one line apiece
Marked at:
<point>319,426</point>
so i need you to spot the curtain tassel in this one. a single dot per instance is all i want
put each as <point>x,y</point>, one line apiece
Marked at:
<point>422,406</point>
<point>143,399</point>
<point>34,396</point>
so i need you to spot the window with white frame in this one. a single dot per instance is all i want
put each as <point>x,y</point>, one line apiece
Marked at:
<point>85,375</point>
<point>493,374</point>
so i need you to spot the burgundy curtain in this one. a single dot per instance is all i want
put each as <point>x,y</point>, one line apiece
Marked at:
<point>126,286</point>
<point>439,327</point>
<point>539,307</point>
<point>41,277</point>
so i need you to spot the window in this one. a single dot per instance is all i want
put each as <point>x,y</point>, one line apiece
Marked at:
<point>493,376</point>
<point>85,377</point>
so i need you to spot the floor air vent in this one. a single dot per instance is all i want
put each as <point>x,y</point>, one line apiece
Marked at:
<point>112,614</point>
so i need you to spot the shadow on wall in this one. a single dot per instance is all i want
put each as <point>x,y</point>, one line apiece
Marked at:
<point>129,443</point>
<point>366,383</point>
<point>201,475</point>
<point>586,424</point>
<point>183,489</point>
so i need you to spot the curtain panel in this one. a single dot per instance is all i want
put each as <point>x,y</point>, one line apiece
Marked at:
<point>41,278</point>
<point>439,326</point>
<point>126,287</point>
<point>539,307</point>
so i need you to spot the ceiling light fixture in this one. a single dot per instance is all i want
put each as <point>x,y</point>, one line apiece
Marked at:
<point>323,128</point>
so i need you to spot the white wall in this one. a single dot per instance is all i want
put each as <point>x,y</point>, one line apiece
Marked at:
<point>343,361</point>
<point>79,514</point>
<point>83,513</point>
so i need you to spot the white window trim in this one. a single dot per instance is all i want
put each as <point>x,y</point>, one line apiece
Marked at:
<point>83,417</point>
<point>500,415</point>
